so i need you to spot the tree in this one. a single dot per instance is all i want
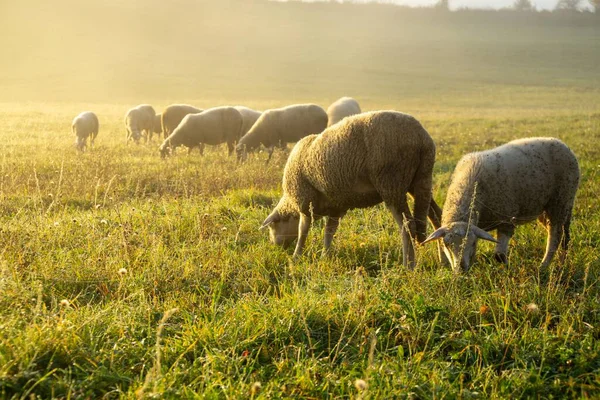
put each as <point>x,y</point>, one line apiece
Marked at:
<point>445,5</point>
<point>568,5</point>
<point>524,5</point>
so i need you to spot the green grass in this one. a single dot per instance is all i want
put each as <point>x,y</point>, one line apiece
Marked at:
<point>124,276</point>
<point>186,232</point>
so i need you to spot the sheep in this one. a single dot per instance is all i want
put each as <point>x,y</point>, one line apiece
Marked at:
<point>340,109</point>
<point>280,126</point>
<point>85,125</point>
<point>213,126</point>
<point>507,186</point>
<point>249,116</point>
<point>358,163</point>
<point>172,116</point>
<point>139,119</point>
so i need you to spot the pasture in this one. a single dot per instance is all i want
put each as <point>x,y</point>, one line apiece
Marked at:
<point>126,276</point>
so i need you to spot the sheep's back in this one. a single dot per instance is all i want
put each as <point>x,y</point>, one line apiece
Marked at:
<point>249,117</point>
<point>85,123</point>
<point>213,126</point>
<point>349,162</point>
<point>174,114</point>
<point>137,119</point>
<point>342,108</point>
<point>297,121</point>
<point>518,179</point>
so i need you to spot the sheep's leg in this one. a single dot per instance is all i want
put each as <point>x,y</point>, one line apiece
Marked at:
<point>555,233</point>
<point>271,149</point>
<point>503,235</point>
<point>407,226</point>
<point>303,228</point>
<point>435,214</point>
<point>420,189</point>
<point>331,226</point>
<point>230,148</point>
<point>201,148</point>
<point>566,238</point>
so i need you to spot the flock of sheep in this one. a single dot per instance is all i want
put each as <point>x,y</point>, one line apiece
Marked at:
<point>345,159</point>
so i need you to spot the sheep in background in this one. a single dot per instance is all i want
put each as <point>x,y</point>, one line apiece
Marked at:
<point>213,126</point>
<point>506,186</point>
<point>358,163</point>
<point>172,116</point>
<point>250,116</point>
<point>157,125</point>
<point>139,120</point>
<point>85,125</point>
<point>342,108</point>
<point>277,127</point>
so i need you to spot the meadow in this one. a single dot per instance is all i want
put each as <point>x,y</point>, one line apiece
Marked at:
<point>123,275</point>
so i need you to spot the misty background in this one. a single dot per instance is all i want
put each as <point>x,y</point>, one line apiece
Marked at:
<point>137,51</point>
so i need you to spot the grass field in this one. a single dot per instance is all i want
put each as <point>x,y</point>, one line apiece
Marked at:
<point>123,275</point>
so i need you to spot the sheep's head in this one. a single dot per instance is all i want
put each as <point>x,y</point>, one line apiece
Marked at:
<point>241,153</point>
<point>460,243</point>
<point>80,144</point>
<point>135,136</point>
<point>165,149</point>
<point>283,228</point>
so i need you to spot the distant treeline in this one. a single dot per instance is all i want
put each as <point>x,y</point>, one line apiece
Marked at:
<point>562,7</point>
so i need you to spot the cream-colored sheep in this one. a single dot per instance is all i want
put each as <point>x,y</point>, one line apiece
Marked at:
<point>140,121</point>
<point>172,116</point>
<point>501,188</point>
<point>213,126</point>
<point>280,126</point>
<point>85,125</point>
<point>342,108</point>
<point>358,163</point>
<point>250,116</point>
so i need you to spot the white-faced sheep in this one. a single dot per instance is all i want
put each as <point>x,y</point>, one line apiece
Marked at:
<point>213,126</point>
<point>139,120</point>
<point>506,186</point>
<point>85,125</point>
<point>360,162</point>
<point>172,116</point>
<point>342,108</point>
<point>280,126</point>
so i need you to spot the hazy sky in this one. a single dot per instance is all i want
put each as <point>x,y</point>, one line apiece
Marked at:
<point>539,4</point>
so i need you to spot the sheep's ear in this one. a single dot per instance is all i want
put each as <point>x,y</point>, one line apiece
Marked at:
<point>481,234</point>
<point>437,235</point>
<point>273,217</point>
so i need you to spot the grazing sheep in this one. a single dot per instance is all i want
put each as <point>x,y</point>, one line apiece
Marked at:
<point>250,116</point>
<point>503,187</point>
<point>342,108</point>
<point>358,163</point>
<point>280,126</point>
<point>172,116</point>
<point>213,126</point>
<point>139,119</point>
<point>85,125</point>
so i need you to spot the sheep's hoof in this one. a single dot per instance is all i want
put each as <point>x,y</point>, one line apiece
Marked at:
<point>501,258</point>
